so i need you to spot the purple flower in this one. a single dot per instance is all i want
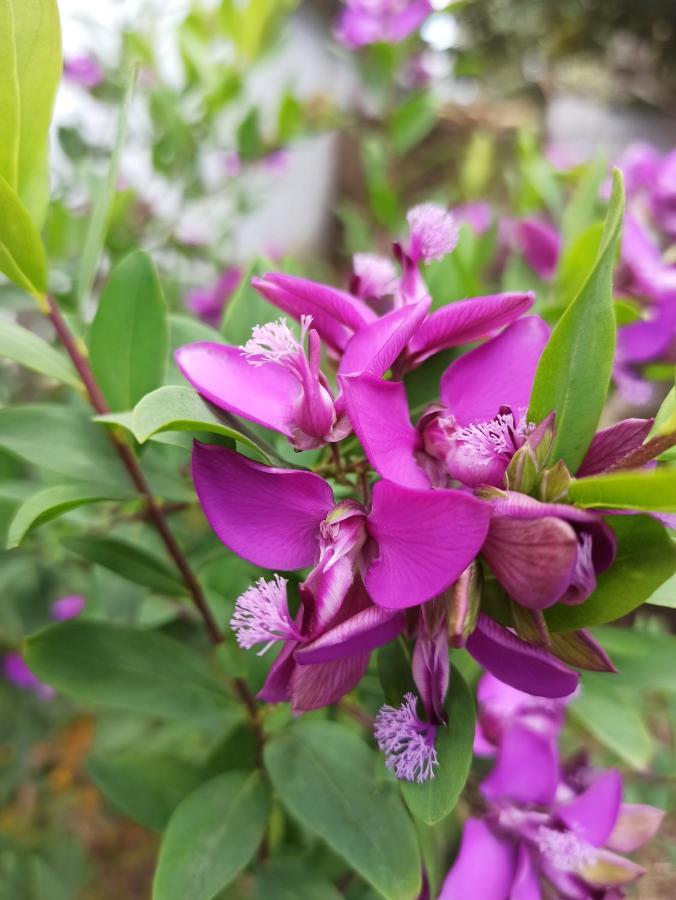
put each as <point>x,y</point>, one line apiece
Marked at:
<point>209,303</point>
<point>364,22</point>
<point>16,671</point>
<point>67,607</point>
<point>84,70</point>
<point>375,278</point>
<point>477,214</point>
<point>541,827</point>
<point>536,240</point>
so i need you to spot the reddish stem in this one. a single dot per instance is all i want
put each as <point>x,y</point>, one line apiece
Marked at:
<point>637,458</point>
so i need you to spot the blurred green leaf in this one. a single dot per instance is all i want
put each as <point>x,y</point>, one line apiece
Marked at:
<point>412,121</point>
<point>326,778</point>
<point>108,665</point>
<point>129,339</point>
<point>211,837</point>
<point>22,346</point>
<point>51,502</point>
<point>247,307</point>
<point>434,799</point>
<point>250,142</point>
<point>22,255</point>
<point>128,560</point>
<point>645,559</point>
<point>581,210</point>
<point>30,50</point>
<point>291,879</point>
<point>652,490</point>
<point>147,787</point>
<point>582,342</point>
<point>289,118</point>
<point>605,713</point>
<point>576,261</point>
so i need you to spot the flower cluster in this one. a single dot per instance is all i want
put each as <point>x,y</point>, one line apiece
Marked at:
<point>549,828</point>
<point>438,512</point>
<point>364,22</point>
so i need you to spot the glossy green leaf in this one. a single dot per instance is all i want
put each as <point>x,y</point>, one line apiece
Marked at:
<point>90,257</point>
<point>665,595</point>
<point>110,665</point>
<point>329,780</point>
<point>582,343</point>
<point>211,837</point>
<point>645,559</point>
<point>129,337</point>
<point>22,255</point>
<point>52,502</point>
<point>24,347</point>
<point>128,560</point>
<point>30,71</point>
<point>147,787</point>
<point>284,878</point>
<point>646,490</point>
<point>605,713</point>
<point>63,440</point>
<point>576,261</point>
<point>433,800</point>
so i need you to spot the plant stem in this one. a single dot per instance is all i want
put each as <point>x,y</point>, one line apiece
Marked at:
<point>153,509</point>
<point>646,453</point>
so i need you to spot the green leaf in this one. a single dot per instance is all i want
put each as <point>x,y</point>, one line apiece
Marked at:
<point>129,337</point>
<point>606,714</point>
<point>645,559</point>
<point>98,220</point>
<point>577,260</point>
<point>147,787</point>
<point>412,121</point>
<point>328,779</point>
<point>582,343</point>
<point>30,50</point>
<point>52,502</point>
<point>211,837</point>
<point>63,440</point>
<point>175,408</point>
<point>125,668</point>
<point>645,660</point>
<point>581,210</point>
<point>433,800</point>
<point>247,307</point>
<point>22,255</point>
<point>291,879</point>
<point>22,346</point>
<point>647,490</point>
<point>128,560</point>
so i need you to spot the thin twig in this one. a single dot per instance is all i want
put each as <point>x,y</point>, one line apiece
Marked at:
<point>646,453</point>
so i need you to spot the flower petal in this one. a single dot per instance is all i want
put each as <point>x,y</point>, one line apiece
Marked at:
<point>533,559</point>
<point>498,373</point>
<point>425,540</point>
<point>636,824</point>
<point>368,629</point>
<point>526,882</point>
<point>519,664</point>
<point>592,815</point>
<point>277,687</point>
<point>377,345</point>
<point>466,321</point>
<point>313,687</point>
<point>268,516</point>
<point>484,867</point>
<point>224,376</point>
<point>526,769</point>
<point>378,411</point>
<point>540,244</point>
<point>609,870</point>
<point>613,444</point>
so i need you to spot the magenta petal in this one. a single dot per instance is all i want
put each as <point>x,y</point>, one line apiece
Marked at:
<point>466,321</point>
<point>224,376</point>
<point>269,516</point>
<point>635,825</point>
<point>592,814</point>
<point>519,664</point>
<point>484,868</point>
<point>613,444</point>
<point>376,346</point>
<point>313,687</point>
<point>540,244</point>
<point>498,373</point>
<point>533,559</point>
<point>521,506</point>
<point>277,687</point>
<point>526,769</point>
<point>425,540</point>
<point>378,411</point>
<point>526,884</point>
<point>368,629</point>
<point>431,671</point>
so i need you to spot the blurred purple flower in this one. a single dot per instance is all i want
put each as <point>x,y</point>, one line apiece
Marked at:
<point>542,828</point>
<point>209,303</point>
<point>477,214</point>
<point>17,672</point>
<point>364,22</point>
<point>84,70</point>
<point>67,607</point>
